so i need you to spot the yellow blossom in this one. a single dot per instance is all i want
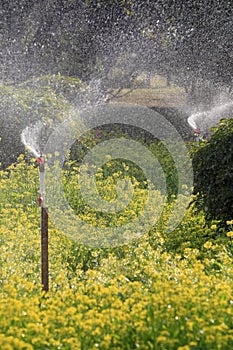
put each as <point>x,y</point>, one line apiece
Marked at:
<point>230,234</point>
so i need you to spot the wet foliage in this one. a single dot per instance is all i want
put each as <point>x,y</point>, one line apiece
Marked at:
<point>190,43</point>
<point>213,170</point>
<point>46,99</point>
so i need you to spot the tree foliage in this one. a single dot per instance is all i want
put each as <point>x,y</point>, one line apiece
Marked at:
<point>190,41</point>
<point>45,99</point>
<point>213,169</point>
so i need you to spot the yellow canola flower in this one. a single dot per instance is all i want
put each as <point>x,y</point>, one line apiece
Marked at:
<point>229,222</point>
<point>230,234</point>
<point>208,245</point>
<point>213,227</point>
<point>110,299</point>
<point>13,343</point>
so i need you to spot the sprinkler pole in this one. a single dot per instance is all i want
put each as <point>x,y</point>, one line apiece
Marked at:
<point>43,230</point>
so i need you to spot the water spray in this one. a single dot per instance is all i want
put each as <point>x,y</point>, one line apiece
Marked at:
<point>193,125</point>
<point>201,122</point>
<point>29,137</point>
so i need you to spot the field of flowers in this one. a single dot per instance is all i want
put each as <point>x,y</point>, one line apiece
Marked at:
<point>163,291</point>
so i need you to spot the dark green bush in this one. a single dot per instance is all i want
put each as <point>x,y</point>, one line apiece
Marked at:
<point>213,173</point>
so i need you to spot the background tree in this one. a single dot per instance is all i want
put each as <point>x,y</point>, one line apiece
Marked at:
<point>189,42</point>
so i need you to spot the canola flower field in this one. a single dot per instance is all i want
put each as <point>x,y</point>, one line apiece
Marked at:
<point>162,291</point>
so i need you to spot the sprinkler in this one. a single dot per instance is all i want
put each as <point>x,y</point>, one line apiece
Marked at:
<point>40,161</point>
<point>43,228</point>
<point>193,125</point>
<point>197,135</point>
<point>29,137</point>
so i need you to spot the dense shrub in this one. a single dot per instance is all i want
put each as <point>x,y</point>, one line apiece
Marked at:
<point>213,168</point>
